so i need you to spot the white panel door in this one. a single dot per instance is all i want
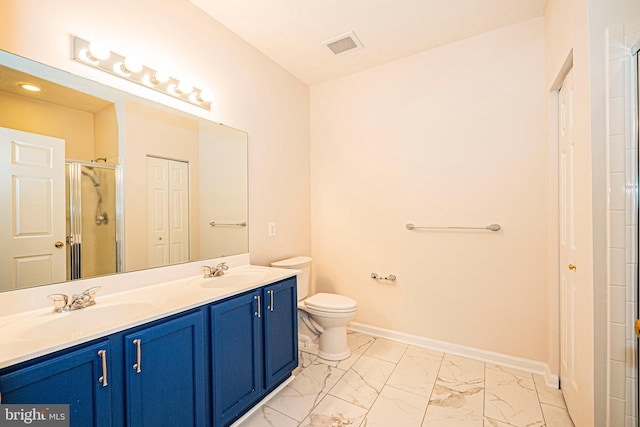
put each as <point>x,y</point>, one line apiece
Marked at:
<point>567,243</point>
<point>178,211</point>
<point>168,211</point>
<point>157,212</point>
<point>32,218</point>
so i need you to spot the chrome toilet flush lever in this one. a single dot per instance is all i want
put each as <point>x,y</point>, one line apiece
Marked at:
<point>390,277</point>
<point>84,299</point>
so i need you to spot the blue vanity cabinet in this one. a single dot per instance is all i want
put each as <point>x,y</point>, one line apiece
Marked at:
<point>280,331</point>
<point>237,356</point>
<point>205,366</point>
<point>164,373</point>
<point>80,378</point>
<point>254,347</point>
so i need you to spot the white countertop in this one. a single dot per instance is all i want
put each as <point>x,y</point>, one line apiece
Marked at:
<point>29,334</point>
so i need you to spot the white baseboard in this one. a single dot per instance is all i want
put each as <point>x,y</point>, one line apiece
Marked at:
<point>528,365</point>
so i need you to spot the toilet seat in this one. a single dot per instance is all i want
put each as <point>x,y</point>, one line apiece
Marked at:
<point>330,303</point>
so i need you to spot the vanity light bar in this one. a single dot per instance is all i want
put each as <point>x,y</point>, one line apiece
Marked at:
<point>98,55</point>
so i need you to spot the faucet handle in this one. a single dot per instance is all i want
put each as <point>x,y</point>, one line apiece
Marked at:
<point>92,291</point>
<point>59,302</point>
<point>206,270</point>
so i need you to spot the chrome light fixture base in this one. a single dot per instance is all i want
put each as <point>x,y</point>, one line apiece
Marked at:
<point>99,56</point>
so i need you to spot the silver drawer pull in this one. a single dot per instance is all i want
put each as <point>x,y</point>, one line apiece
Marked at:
<point>270,300</point>
<point>257,313</point>
<point>103,378</point>
<point>138,365</point>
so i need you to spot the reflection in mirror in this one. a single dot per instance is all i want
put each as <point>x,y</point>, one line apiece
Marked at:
<point>97,181</point>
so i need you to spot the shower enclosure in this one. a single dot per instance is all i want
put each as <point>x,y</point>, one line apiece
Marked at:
<point>92,246</point>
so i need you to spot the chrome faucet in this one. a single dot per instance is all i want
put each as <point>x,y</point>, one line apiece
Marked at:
<point>85,299</point>
<point>220,269</point>
<point>216,271</point>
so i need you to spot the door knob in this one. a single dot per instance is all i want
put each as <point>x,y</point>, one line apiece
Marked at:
<point>572,267</point>
<point>637,328</point>
<point>59,244</point>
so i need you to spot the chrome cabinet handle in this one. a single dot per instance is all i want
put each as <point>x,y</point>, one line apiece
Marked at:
<point>138,365</point>
<point>103,378</point>
<point>270,300</point>
<point>257,313</point>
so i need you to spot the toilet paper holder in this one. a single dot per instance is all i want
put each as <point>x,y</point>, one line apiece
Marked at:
<point>390,277</point>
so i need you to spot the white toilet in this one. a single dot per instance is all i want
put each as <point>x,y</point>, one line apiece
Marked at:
<point>330,311</point>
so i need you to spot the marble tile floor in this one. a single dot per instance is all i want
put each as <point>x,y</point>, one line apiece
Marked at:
<point>389,384</point>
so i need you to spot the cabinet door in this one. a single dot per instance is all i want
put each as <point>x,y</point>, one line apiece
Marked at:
<point>236,328</point>
<point>164,374</point>
<point>280,331</point>
<point>75,379</point>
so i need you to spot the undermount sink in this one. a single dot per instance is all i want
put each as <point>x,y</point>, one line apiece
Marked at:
<point>231,278</point>
<point>78,322</point>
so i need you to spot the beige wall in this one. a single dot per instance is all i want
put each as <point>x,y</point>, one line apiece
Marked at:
<point>252,93</point>
<point>151,132</point>
<point>451,136</point>
<point>223,184</point>
<point>74,126</point>
<point>106,134</point>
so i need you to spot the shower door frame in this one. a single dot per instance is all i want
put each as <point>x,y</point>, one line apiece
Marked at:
<point>74,239</point>
<point>635,69</point>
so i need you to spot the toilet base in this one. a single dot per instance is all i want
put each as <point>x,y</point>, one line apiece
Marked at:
<point>333,356</point>
<point>333,344</point>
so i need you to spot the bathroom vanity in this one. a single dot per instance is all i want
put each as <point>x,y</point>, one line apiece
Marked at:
<point>196,351</point>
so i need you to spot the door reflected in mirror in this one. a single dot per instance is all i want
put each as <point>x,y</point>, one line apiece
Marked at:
<point>98,181</point>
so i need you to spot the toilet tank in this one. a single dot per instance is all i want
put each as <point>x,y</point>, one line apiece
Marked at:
<point>302,263</point>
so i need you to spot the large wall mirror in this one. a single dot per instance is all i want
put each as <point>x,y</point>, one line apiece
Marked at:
<point>96,181</point>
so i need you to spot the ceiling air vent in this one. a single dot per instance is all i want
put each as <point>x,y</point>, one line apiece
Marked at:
<point>343,44</point>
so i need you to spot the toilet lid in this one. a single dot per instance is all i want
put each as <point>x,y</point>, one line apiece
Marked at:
<point>322,301</point>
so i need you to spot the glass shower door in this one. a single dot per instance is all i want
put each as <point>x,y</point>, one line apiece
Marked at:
<point>91,220</point>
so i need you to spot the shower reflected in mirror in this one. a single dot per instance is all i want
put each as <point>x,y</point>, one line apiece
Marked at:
<point>92,248</point>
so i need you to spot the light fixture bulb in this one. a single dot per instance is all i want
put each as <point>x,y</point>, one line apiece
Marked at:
<point>206,95</point>
<point>161,77</point>
<point>29,87</point>
<point>185,87</point>
<point>99,50</point>
<point>133,64</point>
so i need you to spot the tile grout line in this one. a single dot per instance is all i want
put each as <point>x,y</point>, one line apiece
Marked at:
<point>383,385</point>
<point>535,386</point>
<point>484,393</point>
<point>424,417</point>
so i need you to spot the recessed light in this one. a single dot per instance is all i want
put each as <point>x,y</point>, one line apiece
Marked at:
<point>29,87</point>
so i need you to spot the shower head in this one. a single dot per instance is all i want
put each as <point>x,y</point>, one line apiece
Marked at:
<point>97,159</point>
<point>93,177</point>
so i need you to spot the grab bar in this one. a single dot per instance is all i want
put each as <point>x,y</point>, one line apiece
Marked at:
<point>492,227</point>
<point>216,224</point>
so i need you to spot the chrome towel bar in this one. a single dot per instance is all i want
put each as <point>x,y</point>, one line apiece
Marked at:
<point>492,227</point>
<point>216,224</point>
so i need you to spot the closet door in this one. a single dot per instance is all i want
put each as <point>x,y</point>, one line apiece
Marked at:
<point>157,211</point>
<point>167,211</point>
<point>178,211</point>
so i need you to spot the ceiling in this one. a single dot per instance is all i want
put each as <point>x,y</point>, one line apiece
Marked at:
<point>291,32</point>
<point>49,92</point>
